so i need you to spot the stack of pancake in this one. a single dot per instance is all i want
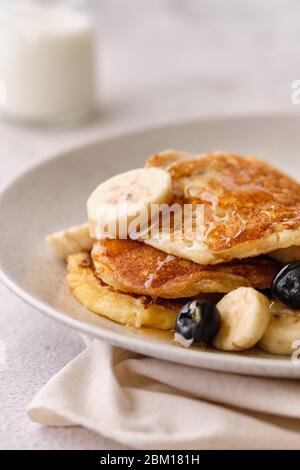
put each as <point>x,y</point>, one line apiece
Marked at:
<point>146,282</point>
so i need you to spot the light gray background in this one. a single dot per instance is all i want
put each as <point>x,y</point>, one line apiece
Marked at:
<point>158,61</point>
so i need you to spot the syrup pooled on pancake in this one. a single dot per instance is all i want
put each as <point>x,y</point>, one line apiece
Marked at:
<point>134,267</point>
<point>249,207</point>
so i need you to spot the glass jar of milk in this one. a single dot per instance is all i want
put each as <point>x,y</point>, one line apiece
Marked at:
<point>46,60</point>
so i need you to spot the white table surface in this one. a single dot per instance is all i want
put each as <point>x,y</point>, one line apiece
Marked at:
<point>158,61</point>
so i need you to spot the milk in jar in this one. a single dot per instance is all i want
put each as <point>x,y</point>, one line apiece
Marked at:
<point>46,61</point>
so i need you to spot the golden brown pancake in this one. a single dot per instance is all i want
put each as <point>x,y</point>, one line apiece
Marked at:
<point>134,267</point>
<point>130,310</point>
<point>250,208</point>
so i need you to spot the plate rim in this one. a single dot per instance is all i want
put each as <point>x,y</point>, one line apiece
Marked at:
<point>131,130</point>
<point>221,361</point>
<point>214,361</point>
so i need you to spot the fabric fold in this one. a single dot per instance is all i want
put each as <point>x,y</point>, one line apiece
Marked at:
<point>152,404</point>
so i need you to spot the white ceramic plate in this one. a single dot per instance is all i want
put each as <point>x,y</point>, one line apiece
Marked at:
<point>52,196</point>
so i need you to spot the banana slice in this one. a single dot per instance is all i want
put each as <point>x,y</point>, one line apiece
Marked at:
<point>245,315</point>
<point>282,331</point>
<point>71,240</point>
<point>286,255</point>
<point>119,200</point>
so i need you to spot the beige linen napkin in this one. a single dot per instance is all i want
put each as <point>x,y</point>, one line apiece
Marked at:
<point>151,404</point>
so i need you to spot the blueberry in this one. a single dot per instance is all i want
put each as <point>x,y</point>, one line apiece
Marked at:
<point>286,285</point>
<point>198,321</point>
